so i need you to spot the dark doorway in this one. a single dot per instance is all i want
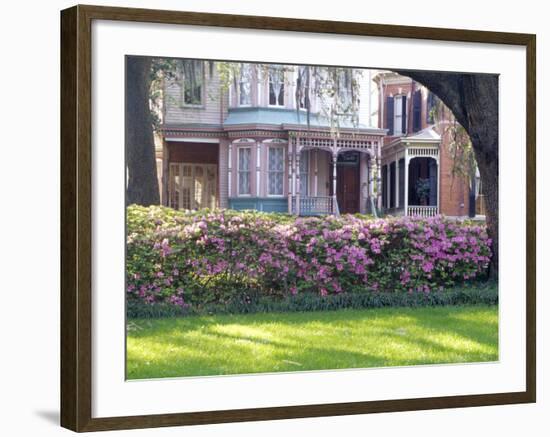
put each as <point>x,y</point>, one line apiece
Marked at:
<point>347,182</point>
<point>423,181</point>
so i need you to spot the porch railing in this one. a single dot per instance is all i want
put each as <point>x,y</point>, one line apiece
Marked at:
<point>315,205</point>
<point>422,211</point>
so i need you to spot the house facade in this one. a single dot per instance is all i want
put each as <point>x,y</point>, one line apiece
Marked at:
<point>418,171</point>
<point>248,143</point>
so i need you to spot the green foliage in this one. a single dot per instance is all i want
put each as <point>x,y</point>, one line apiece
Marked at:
<point>217,257</point>
<point>475,294</point>
<point>422,188</point>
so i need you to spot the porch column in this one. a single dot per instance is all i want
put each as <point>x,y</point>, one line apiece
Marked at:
<point>364,196</point>
<point>407,181</point>
<point>379,192</point>
<point>258,156</point>
<point>334,163</point>
<point>289,171</point>
<point>223,171</point>
<point>388,182</point>
<point>297,176</point>
<point>165,170</point>
<point>396,182</point>
<point>437,184</point>
<point>371,176</point>
<point>229,169</point>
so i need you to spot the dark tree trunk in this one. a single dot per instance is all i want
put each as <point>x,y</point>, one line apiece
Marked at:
<point>142,186</point>
<point>473,99</point>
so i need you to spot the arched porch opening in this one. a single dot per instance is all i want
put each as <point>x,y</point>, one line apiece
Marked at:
<point>423,186</point>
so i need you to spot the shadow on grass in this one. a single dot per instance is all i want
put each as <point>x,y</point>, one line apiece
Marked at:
<point>309,341</point>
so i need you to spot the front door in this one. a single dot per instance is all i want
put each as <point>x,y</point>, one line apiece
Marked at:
<point>347,185</point>
<point>192,186</point>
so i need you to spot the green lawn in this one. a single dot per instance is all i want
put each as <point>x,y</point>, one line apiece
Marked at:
<point>282,342</point>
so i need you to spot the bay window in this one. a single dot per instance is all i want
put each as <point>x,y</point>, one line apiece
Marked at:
<point>245,85</point>
<point>276,87</point>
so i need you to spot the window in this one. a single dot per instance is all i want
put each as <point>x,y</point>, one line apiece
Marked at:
<point>417,111</point>
<point>275,171</point>
<point>304,173</point>
<point>399,115</point>
<point>302,82</point>
<point>245,85</point>
<point>276,87</point>
<point>345,84</point>
<point>244,170</point>
<point>430,107</point>
<point>193,74</point>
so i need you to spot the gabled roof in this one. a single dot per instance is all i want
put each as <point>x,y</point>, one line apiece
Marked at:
<point>427,135</point>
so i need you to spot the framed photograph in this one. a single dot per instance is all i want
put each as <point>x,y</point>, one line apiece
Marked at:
<point>268,218</point>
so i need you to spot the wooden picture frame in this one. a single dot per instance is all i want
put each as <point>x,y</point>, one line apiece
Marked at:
<point>76,217</point>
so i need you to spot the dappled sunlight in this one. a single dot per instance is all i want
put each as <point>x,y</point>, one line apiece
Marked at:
<point>245,331</point>
<point>226,344</point>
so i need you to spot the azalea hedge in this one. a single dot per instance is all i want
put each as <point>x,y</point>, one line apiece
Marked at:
<point>196,259</point>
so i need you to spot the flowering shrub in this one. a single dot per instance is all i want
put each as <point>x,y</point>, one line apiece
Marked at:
<point>198,258</point>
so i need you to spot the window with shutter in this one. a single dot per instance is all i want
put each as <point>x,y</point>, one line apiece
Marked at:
<point>417,111</point>
<point>430,105</point>
<point>389,115</point>
<point>399,115</point>
<point>404,114</point>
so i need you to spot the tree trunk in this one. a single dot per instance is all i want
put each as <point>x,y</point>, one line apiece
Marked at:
<point>142,183</point>
<point>473,99</point>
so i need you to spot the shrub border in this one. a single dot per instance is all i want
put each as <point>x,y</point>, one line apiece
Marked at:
<point>478,294</point>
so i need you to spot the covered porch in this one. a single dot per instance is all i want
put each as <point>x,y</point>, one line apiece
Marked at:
<point>411,175</point>
<point>330,174</point>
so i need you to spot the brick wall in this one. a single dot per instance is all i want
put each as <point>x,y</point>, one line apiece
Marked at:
<point>453,192</point>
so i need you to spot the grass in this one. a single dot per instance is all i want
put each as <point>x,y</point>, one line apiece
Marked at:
<point>253,343</point>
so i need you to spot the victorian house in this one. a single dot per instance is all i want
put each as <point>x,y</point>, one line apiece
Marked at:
<point>249,143</point>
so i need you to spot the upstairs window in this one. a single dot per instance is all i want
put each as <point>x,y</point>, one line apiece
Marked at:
<point>193,78</point>
<point>345,84</point>
<point>399,115</point>
<point>245,85</point>
<point>417,111</point>
<point>276,87</point>
<point>430,108</point>
<point>303,83</point>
